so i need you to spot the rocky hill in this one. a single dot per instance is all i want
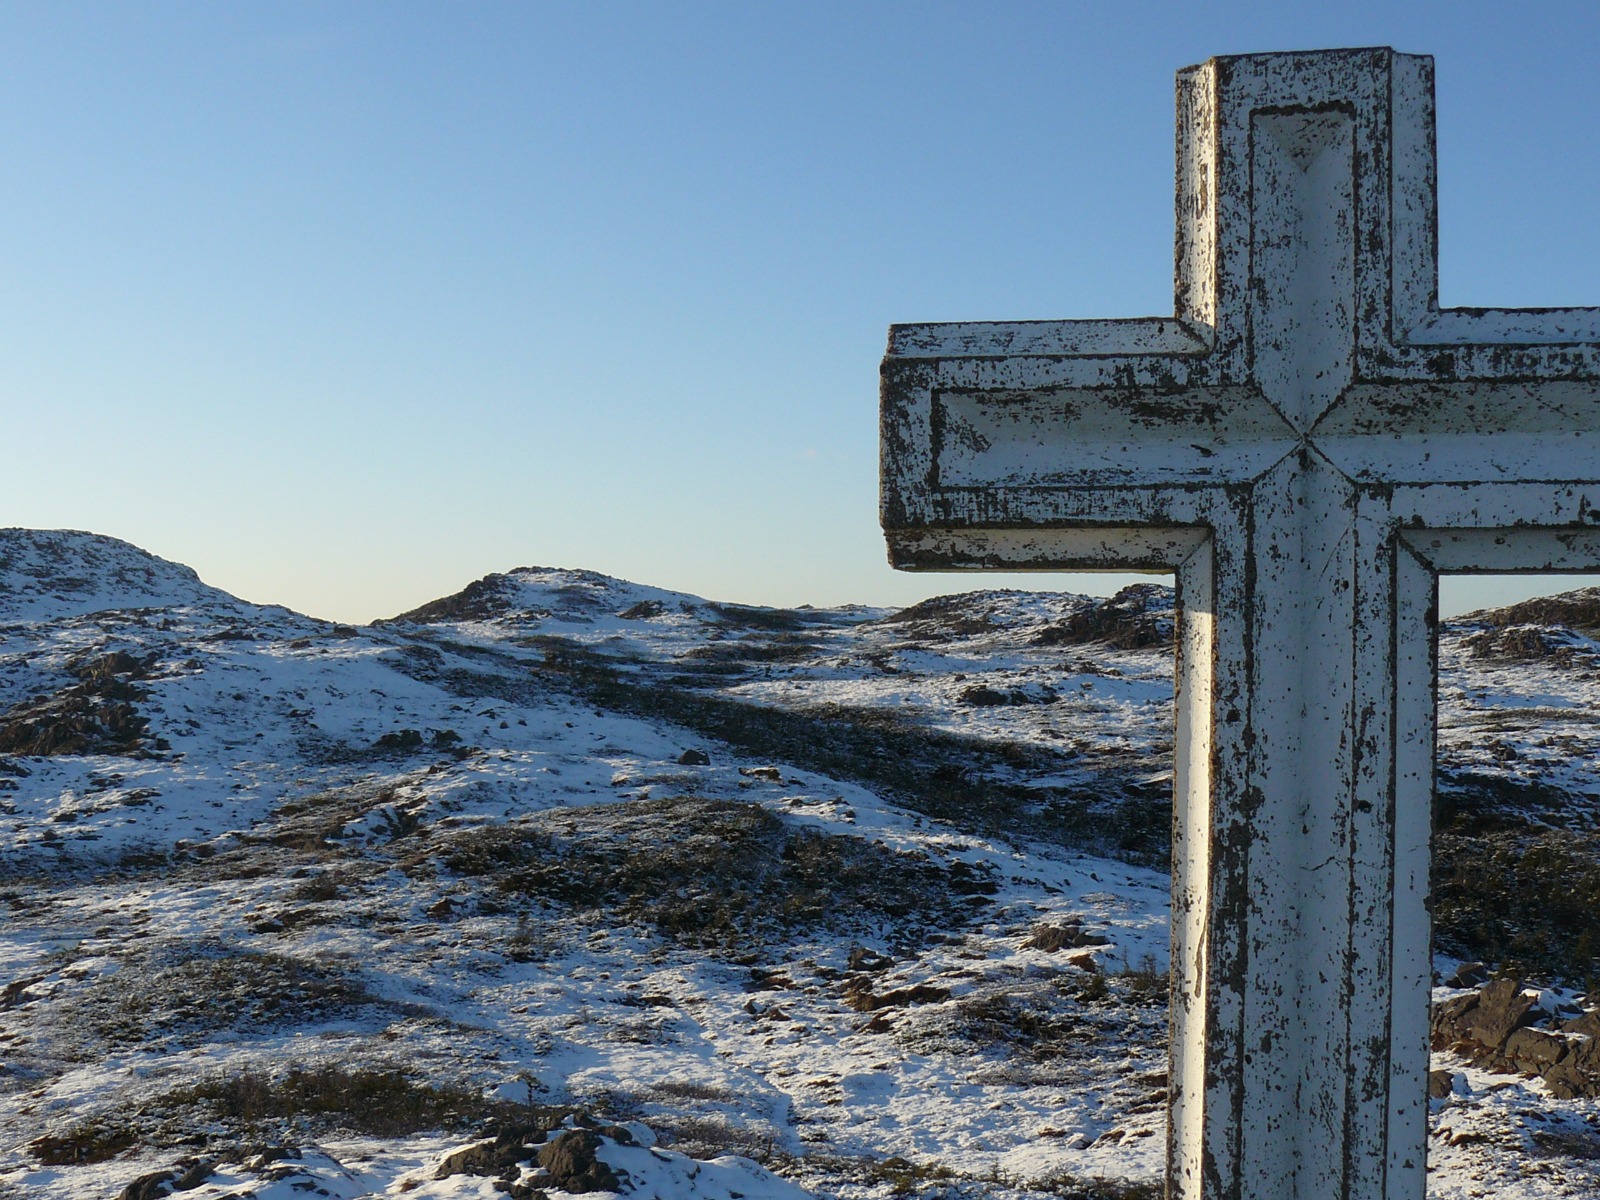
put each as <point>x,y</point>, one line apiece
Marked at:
<point>566,884</point>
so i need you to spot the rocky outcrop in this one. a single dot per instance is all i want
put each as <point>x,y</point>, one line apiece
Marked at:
<point>97,715</point>
<point>1069,935</point>
<point>562,1158</point>
<point>1500,1027</point>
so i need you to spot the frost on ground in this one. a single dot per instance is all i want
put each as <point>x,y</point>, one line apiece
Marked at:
<point>569,885</point>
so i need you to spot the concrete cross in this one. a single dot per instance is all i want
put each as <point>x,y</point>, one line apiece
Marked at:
<point>1308,443</point>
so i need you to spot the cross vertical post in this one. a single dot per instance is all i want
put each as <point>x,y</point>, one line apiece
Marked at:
<point>1307,443</point>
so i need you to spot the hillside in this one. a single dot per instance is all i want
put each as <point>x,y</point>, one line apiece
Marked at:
<point>674,897</point>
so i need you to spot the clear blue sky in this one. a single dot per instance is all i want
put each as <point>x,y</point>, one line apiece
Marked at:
<point>346,304</point>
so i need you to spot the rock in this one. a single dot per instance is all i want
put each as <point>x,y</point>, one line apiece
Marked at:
<point>1588,1024</point>
<point>1568,1080</point>
<point>858,994</point>
<point>1535,1050</point>
<point>1136,617</point>
<point>13,993</point>
<point>195,1172</point>
<point>770,774</point>
<point>1469,975</point>
<point>149,1187</point>
<point>982,696</point>
<point>1441,1084</point>
<point>1447,1017</point>
<point>493,1156</point>
<point>694,758</point>
<point>864,959</point>
<point>1501,1008</point>
<point>1500,1028</point>
<point>573,1165</point>
<point>1070,936</point>
<point>185,1176</point>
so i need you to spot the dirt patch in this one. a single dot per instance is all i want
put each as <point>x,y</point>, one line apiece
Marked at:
<point>782,648</point>
<point>1477,802</point>
<point>1072,1017</point>
<point>187,993</point>
<point>1524,902</point>
<point>251,1107</point>
<point>381,1102</point>
<point>714,874</point>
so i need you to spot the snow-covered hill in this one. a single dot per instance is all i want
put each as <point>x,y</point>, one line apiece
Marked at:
<point>665,896</point>
<point>52,574</point>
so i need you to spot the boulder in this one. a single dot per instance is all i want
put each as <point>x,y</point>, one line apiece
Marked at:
<point>1534,1050</point>
<point>187,1175</point>
<point>573,1164</point>
<point>499,1155</point>
<point>1070,936</point>
<point>1502,1007</point>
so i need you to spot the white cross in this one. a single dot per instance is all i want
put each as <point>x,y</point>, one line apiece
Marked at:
<point>1307,444</point>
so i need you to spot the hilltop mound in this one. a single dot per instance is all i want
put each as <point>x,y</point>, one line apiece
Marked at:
<point>1578,610</point>
<point>542,592</point>
<point>53,573</point>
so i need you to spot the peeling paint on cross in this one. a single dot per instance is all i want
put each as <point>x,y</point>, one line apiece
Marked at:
<point>1307,444</point>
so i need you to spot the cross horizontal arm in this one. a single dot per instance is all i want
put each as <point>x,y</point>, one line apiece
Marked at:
<point>1107,423</point>
<point>978,339</point>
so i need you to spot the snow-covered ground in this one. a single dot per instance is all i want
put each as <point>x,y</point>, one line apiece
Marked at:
<point>736,902</point>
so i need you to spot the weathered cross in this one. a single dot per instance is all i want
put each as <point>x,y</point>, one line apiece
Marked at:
<point>1308,443</point>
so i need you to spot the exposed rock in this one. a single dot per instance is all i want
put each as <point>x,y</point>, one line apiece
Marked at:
<point>1500,1028</point>
<point>643,611</point>
<point>1138,616</point>
<point>983,696</point>
<point>441,909</point>
<point>858,994</point>
<point>573,1165</point>
<point>1534,1050</point>
<point>1502,1007</point>
<point>1578,609</point>
<point>1070,936</point>
<point>864,959</point>
<point>149,1187</point>
<point>478,601</point>
<point>1588,1025</point>
<point>97,715</point>
<point>497,1155</point>
<point>1441,1084</point>
<point>694,758</point>
<point>1530,643</point>
<point>941,617</point>
<point>186,1176</point>
<point>1447,1016</point>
